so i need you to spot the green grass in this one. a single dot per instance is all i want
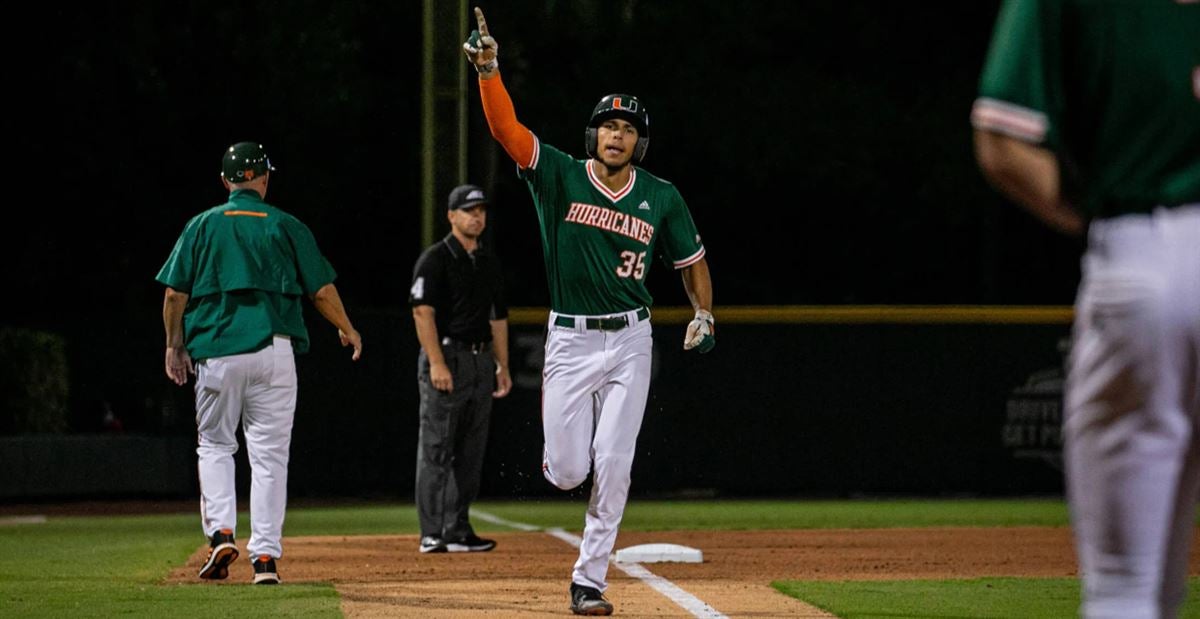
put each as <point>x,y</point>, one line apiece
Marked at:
<point>131,600</point>
<point>104,567</point>
<point>752,515</point>
<point>982,598</point>
<point>389,519</point>
<point>114,566</point>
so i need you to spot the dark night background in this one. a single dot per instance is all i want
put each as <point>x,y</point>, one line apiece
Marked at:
<point>823,147</point>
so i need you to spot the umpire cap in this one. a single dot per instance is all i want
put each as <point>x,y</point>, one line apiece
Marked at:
<point>466,196</point>
<point>625,107</point>
<point>245,161</point>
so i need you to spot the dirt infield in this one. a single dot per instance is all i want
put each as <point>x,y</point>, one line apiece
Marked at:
<point>528,573</point>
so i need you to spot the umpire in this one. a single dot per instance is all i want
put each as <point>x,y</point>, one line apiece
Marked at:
<point>462,324</point>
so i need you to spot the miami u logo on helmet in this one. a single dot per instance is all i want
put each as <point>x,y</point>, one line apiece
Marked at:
<point>621,103</point>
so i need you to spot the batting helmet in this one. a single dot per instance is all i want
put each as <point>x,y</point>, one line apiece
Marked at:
<point>625,107</point>
<point>245,161</point>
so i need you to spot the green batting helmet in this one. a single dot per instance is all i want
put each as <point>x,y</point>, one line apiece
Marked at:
<point>245,161</point>
<point>625,107</point>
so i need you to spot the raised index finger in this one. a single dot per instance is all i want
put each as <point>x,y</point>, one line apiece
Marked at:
<point>483,30</point>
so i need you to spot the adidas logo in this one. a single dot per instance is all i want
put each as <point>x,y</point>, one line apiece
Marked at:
<point>644,206</point>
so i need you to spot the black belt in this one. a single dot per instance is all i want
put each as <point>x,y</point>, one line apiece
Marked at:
<point>472,347</point>
<point>611,323</point>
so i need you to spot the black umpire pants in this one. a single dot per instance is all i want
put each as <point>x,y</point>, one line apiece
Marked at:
<point>452,440</point>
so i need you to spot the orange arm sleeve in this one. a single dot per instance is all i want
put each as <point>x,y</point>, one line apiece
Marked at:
<point>517,140</point>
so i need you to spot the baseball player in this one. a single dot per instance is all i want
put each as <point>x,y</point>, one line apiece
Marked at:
<point>602,221</point>
<point>1089,116</point>
<point>233,317</point>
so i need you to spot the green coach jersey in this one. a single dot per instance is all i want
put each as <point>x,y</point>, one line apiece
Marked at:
<point>246,266</point>
<point>599,243</point>
<point>1112,86</point>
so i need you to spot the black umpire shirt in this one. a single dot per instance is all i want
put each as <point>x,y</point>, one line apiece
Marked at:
<point>465,290</point>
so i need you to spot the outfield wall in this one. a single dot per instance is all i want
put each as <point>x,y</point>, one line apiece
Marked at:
<point>792,401</point>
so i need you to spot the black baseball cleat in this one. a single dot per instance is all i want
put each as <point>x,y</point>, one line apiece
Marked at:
<point>431,543</point>
<point>264,571</point>
<point>221,552</point>
<point>471,543</point>
<point>589,601</point>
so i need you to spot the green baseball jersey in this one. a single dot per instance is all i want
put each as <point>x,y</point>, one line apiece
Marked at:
<point>1112,86</point>
<point>246,266</point>
<point>599,243</point>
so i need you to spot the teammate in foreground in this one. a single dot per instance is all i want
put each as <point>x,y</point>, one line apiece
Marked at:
<point>1089,116</point>
<point>233,317</point>
<point>600,219</point>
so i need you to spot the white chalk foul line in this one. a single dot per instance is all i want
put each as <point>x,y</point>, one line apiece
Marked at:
<point>685,600</point>
<point>7,521</point>
<point>494,519</point>
<point>670,590</point>
<point>569,538</point>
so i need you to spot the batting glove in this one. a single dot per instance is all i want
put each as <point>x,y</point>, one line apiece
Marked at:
<point>700,332</point>
<point>483,51</point>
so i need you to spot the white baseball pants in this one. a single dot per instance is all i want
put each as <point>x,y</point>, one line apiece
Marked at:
<point>1132,425</point>
<point>259,390</point>
<point>594,390</point>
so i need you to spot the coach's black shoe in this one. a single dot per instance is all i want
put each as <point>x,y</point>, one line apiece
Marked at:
<point>431,543</point>
<point>265,572</point>
<point>588,601</point>
<point>471,543</point>
<point>221,552</point>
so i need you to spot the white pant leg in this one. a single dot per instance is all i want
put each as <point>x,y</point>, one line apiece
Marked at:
<point>572,373</point>
<point>270,406</point>
<point>219,384</point>
<point>1128,428</point>
<point>1180,541</point>
<point>1182,232</point>
<point>621,404</point>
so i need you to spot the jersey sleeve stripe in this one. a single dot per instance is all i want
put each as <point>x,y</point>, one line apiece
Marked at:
<point>1011,120</point>
<point>537,152</point>
<point>690,260</point>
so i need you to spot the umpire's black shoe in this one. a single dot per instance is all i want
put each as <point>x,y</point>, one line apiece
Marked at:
<point>588,601</point>
<point>471,543</point>
<point>221,552</point>
<point>264,571</point>
<point>432,543</point>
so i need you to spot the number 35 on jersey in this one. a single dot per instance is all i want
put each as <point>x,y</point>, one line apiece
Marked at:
<point>632,265</point>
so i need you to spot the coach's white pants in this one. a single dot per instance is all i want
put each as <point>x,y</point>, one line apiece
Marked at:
<point>258,389</point>
<point>593,397</point>
<point>1133,412</point>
